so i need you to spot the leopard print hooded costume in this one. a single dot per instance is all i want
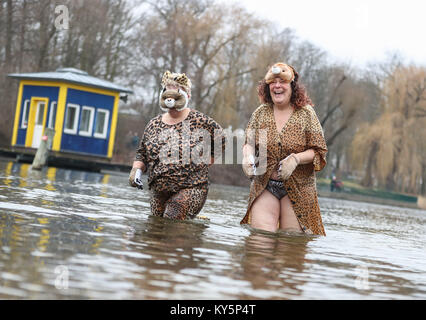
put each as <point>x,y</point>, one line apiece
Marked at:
<point>178,188</point>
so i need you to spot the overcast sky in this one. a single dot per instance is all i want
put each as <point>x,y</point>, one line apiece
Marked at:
<point>355,31</point>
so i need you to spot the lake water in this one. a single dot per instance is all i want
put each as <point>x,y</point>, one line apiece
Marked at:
<point>66,234</point>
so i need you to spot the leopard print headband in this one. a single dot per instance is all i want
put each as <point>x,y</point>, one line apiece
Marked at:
<point>178,79</point>
<point>280,70</point>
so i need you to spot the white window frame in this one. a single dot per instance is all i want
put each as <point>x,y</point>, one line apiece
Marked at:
<point>40,116</point>
<point>26,111</point>
<point>104,133</point>
<point>75,124</point>
<point>52,111</point>
<point>92,117</point>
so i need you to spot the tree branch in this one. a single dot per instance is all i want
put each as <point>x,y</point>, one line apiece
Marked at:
<point>330,112</point>
<point>336,134</point>
<point>215,83</point>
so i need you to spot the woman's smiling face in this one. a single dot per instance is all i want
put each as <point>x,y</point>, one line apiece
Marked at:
<point>280,91</point>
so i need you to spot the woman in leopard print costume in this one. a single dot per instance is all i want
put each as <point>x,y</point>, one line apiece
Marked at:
<point>176,150</point>
<point>283,189</point>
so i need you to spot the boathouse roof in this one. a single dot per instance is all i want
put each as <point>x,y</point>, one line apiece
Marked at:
<point>71,75</point>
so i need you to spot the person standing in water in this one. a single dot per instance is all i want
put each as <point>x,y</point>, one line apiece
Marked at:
<point>176,150</point>
<point>283,194</point>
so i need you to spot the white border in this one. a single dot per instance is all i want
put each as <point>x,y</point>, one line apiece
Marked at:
<point>53,106</point>
<point>26,109</point>
<point>38,113</point>
<point>92,116</point>
<point>75,124</point>
<point>104,133</point>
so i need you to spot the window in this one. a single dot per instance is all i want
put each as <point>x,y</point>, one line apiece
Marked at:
<point>52,115</point>
<point>86,122</point>
<point>25,113</point>
<point>101,127</point>
<point>71,118</point>
<point>40,113</point>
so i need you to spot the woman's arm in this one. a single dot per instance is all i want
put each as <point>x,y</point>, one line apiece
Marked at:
<point>141,153</point>
<point>139,165</point>
<point>306,156</point>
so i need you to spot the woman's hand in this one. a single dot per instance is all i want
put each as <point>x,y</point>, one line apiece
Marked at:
<point>248,163</point>
<point>132,178</point>
<point>135,178</point>
<point>135,175</point>
<point>249,167</point>
<point>287,166</point>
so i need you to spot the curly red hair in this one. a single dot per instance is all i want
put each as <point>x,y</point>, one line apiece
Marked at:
<point>299,96</point>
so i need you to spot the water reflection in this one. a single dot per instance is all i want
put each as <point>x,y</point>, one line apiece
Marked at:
<point>275,261</point>
<point>101,231</point>
<point>168,247</point>
<point>25,174</point>
<point>165,240</point>
<point>18,177</point>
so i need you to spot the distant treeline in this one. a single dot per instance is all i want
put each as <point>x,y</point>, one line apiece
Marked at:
<point>374,118</point>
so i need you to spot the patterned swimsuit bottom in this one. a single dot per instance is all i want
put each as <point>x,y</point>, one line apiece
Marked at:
<point>276,187</point>
<point>180,205</point>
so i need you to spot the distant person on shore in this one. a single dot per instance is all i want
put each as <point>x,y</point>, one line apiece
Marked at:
<point>335,185</point>
<point>283,191</point>
<point>132,140</point>
<point>135,140</point>
<point>176,150</point>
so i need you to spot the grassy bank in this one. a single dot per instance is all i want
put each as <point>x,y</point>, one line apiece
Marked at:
<point>354,191</point>
<point>233,175</point>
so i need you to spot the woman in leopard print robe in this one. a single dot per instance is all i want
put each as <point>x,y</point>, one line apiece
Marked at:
<point>283,188</point>
<point>176,150</point>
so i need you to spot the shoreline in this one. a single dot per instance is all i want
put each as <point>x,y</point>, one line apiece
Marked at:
<point>235,176</point>
<point>370,199</point>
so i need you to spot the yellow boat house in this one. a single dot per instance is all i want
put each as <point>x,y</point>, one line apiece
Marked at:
<point>83,111</point>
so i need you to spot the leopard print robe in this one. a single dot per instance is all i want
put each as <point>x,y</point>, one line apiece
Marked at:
<point>182,139</point>
<point>179,188</point>
<point>301,132</point>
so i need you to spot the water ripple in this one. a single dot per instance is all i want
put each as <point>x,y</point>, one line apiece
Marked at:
<point>99,233</point>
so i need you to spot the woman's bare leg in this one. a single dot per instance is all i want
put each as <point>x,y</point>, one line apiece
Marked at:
<point>288,220</point>
<point>265,212</point>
